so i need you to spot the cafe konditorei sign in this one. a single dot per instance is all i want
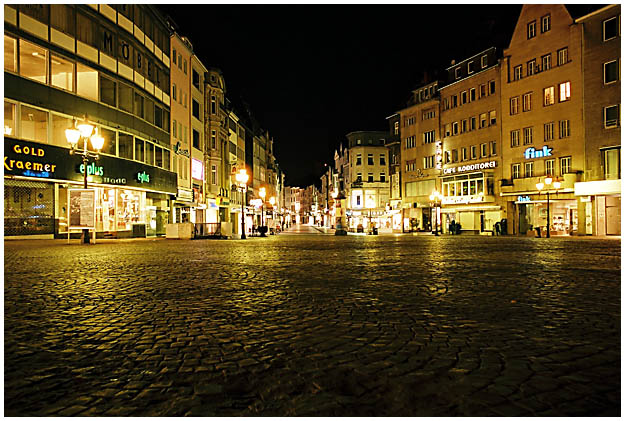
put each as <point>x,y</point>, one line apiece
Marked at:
<point>30,159</point>
<point>470,167</point>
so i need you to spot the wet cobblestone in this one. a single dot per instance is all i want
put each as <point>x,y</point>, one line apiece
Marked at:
<point>313,325</point>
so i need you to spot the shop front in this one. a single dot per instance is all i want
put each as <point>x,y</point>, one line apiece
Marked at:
<point>131,199</point>
<point>531,214</point>
<point>599,205</point>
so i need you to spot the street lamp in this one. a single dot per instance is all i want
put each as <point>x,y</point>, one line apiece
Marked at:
<point>262,194</point>
<point>436,197</point>
<point>540,186</point>
<point>85,132</point>
<point>242,178</point>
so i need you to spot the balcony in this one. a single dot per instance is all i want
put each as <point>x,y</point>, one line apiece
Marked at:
<point>509,186</point>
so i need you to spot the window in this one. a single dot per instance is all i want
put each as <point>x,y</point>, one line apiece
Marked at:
<point>396,128</point>
<point>516,170</point>
<point>610,28</point>
<point>9,119</point>
<point>382,159</point>
<point>565,91</point>
<point>213,105</point>
<point>529,169</point>
<point>125,146</point>
<point>491,87</point>
<point>546,59</point>
<point>179,61</point>
<point>196,109</point>
<point>148,113</point>
<point>463,126</point>
<point>108,91</point>
<point>610,72</point>
<point>457,72</point>
<point>370,159</point>
<point>514,138</point>
<point>410,142</point>
<point>139,150</point>
<point>447,157</point>
<point>565,165</point>
<point>34,124</point>
<point>531,67</point>
<point>125,97</point>
<point>464,154</point>
<point>611,116</point>
<point>10,54</point>
<point>185,67</point>
<point>174,128</point>
<point>158,157</point>
<point>612,163</point>
<point>410,165</point>
<point>492,118</point>
<point>370,177</point>
<point>61,72</point>
<point>482,90</point>
<point>473,152</point>
<point>454,155</point>
<point>545,23</point>
<point>483,150</point>
<point>454,128</point>
<point>359,177</point>
<point>428,162</point>
<point>358,159</point>
<point>86,82</point>
<point>528,134</point>
<point>484,60</point>
<point>174,92</point>
<point>531,29</point>
<point>527,101</point>
<point>463,97</point>
<point>173,58</point>
<point>149,153</point>
<point>514,105</point>
<point>382,177</point>
<point>473,124</point>
<point>549,96</point>
<point>196,139</point>
<point>563,56</point>
<point>518,72</point>
<point>196,79</point>
<point>138,105</point>
<point>213,174</point>
<point>62,18</point>
<point>214,139</point>
<point>565,128</point>
<point>482,120</point>
<point>86,30</point>
<point>548,129</point>
<point>493,148</point>
<point>447,129</point>
<point>549,164</point>
<point>470,67</point>
<point>454,101</point>
<point>166,159</point>
<point>472,94</point>
<point>33,61</point>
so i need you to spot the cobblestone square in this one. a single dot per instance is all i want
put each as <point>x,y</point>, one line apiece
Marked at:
<point>305,325</point>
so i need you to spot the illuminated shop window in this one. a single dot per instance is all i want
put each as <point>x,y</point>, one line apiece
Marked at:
<point>9,119</point>
<point>61,73</point>
<point>59,125</point>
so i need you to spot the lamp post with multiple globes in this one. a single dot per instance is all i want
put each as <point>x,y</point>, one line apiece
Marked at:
<point>242,178</point>
<point>436,198</point>
<point>549,181</point>
<point>87,133</point>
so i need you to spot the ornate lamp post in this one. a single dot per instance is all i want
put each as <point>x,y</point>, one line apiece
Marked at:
<point>85,132</point>
<point>262,194</point>
<point>436,197</point>
<point>540,186</point>
<point>242,178</point>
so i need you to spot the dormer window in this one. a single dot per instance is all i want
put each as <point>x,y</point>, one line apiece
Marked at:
<point>457,72</point>
<point>484,60</point>
<point>470,67</point>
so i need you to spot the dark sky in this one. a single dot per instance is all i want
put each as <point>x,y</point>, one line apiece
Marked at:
<point>313,73</point>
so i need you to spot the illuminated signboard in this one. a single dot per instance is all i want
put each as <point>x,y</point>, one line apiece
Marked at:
<point>470,167</point>
<point>197,169</point>
<point>531,153</point>
<point>439,155</point>
<point>523,199</point>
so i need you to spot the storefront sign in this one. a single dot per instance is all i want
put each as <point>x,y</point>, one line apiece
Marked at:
<point>523,199</point>
<point>178,149</point>
<point>23,158</point>
<point>186,195</point>
<point>471,167</point>
<point>456,200</point>
<point>197,169</point>
<point>531,153</point>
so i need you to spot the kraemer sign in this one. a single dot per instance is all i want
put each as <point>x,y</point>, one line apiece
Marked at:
<point>471,167</point>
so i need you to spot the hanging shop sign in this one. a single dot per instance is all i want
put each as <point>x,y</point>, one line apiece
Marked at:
<point>531,153</point>
<point>471,167</point>
<point>29,159</point>
<point>439,155</point>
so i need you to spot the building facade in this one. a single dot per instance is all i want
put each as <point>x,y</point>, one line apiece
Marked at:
<point>110,67</point>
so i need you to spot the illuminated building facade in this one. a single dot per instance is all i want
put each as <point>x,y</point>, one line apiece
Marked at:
<point>107,63</point>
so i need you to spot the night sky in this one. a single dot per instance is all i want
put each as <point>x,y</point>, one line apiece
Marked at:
<point>313,73</point>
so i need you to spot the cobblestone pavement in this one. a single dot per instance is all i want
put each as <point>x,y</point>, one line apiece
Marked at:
<point>313,325</point>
